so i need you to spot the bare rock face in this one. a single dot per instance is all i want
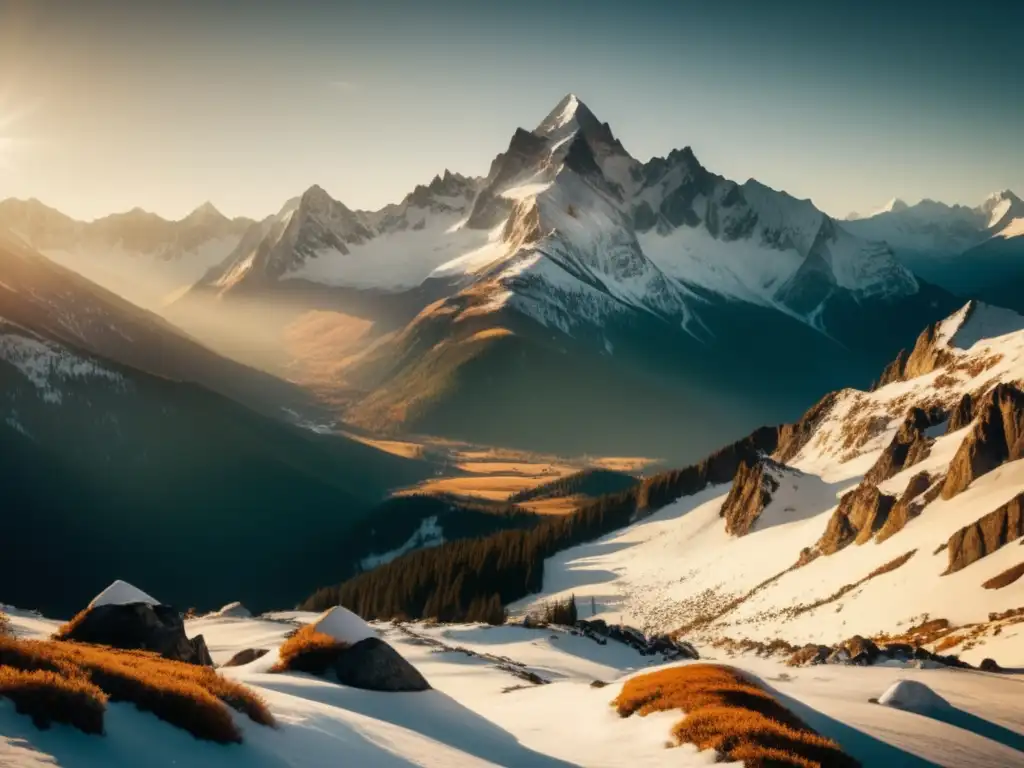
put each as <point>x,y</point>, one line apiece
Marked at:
<point>373,665</point>
<point>793,437</point>
<point>995,439</point>
<point>860,515</point>
<point>244,657</point>
<point>139,626</point>
<point>751,491</point>
<point>893,371</point>
<point>986,535</point>
<point>905,510</point>
<point>925,357</point>
<point>909,445</point>
<point>962,415</point>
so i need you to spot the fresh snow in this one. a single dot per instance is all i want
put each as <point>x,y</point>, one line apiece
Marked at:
<point>122,593</point>
<point>480,715</point>
<point>680,563</point>
<point>343,625</point>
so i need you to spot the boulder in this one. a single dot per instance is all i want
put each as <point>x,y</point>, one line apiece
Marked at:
<point>373,665</point>
<point>985,535</point>
<point>989,665</point>
<point>860,650</point>
<point>138,626</point>
<point>913,696</point>
<point>247,656</point>
<point>997,437</point>
<point>808,655</point>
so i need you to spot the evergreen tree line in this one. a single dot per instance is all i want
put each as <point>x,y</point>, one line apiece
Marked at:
<point>587,482</point>
<point>469,580</point>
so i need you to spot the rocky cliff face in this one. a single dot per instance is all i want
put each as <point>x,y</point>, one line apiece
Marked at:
<point>962,414</point>
<point>994,440</point>
<point>860,515</point>
<point>751,491</point>
<point>909,446</point>
<point>905,509</point>
<point>793,437</point>
<point>986,535</point>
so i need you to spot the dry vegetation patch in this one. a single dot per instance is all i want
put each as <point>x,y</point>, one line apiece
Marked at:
<point>731,714</point>
<point>309,651</point>
<point>76,676</point>
<point>5,625</point>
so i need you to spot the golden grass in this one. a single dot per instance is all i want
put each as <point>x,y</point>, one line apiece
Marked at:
<point>729,713</point>
<point>308,651</point>
<point>5,625</point>
<point>49,697</point>
<point>1006,578</point>
<point>186,695</point>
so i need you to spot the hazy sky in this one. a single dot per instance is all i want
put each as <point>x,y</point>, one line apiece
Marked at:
<point>107,105</point>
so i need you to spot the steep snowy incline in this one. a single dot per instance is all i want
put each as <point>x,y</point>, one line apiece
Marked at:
<point>860,532</point>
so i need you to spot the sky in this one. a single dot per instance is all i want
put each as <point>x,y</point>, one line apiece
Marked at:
<point>106,105</point>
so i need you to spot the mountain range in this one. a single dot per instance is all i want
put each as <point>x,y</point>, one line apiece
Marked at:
<point>573,298</point>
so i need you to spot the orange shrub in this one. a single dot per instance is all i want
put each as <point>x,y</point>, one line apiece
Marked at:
<point>729,713</point>
<point>188,696</point>
<point>308,651</point>
<point>48,697</point>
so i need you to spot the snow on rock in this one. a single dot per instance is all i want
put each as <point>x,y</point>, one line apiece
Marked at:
<point>233,610</point>
<point>913,696</point>
<point>429,534</point>
<point>343,625</point>
<point>122,593</point>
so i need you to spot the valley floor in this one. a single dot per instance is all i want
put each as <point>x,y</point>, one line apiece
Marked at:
<point>483,714</point>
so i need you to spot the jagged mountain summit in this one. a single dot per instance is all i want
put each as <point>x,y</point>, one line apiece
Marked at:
<point>572,280</point>
<point>137,254</point>
<point>573,262</point>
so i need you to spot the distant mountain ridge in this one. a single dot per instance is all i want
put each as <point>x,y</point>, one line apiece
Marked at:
<point>137,254</point>
<point>975,252</point>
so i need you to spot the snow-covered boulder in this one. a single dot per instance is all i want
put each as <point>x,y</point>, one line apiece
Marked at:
<point>912,696</point>
<point>343,625</point>
<point>122,593</point>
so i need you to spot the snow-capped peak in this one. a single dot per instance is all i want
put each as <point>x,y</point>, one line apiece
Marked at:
<point>567,117</point>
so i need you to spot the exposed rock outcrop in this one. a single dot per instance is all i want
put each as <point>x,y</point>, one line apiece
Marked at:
<point>751,491</point>
<point>905,510</point>
<point>862,651</point>
<point>986,535</point>
<point>994,439</point>
<point>860,515</point>
<point>244,657</point>
<point>962,415</point>
<point>927,355</point>
<point>720,467</point>
<point>373,665</point>
<point>793,437</point>
<point>909,445</point>
<point>138,626</point>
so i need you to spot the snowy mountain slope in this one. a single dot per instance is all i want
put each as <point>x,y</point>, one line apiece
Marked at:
<point>472,719</point>
<point>972,252</point>
<point>57,304</point>
<point>136,254</point>
<point>787,579</point>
